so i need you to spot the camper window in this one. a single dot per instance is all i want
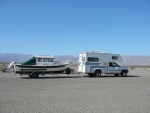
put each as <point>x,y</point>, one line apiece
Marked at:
<point>114,57</point>
<point>93,59</point>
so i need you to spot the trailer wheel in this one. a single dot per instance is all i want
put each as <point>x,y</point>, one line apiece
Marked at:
<point>30,76</point>
<point>97,73</point>
<point>35,75</point>
<point>116,75</point>
<point>90,74</point>
<point>123,73</point>
<point>68,71</point>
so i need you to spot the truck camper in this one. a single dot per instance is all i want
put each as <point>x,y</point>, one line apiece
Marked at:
<point>96,63</point>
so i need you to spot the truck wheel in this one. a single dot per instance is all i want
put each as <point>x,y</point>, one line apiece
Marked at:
<point>123,73</point>
<point>35,75</point>
<point>97,73</point>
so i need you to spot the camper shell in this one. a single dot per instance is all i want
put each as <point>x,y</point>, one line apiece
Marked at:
<point>96,63</point>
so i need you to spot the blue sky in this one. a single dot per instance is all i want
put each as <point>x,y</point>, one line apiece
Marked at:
<point>68,27</point>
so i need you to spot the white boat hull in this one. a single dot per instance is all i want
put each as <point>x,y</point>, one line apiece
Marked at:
<point>27,69</point>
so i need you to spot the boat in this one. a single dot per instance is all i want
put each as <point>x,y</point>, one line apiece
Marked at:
<point>40,65</point>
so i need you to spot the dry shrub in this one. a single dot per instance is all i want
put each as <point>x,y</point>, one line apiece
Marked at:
<point>3,67</point>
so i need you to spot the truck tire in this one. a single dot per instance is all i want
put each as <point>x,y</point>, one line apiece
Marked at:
<point>123,73</point>
<point>34,75</point>
<point>97,73</point>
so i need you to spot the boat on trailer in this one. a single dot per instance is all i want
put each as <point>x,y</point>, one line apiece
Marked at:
<point>41,65</point>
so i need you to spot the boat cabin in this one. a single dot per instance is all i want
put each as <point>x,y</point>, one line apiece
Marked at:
<point>40,60</point>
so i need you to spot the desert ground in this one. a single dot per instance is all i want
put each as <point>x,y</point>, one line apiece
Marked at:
<point>76,93</point>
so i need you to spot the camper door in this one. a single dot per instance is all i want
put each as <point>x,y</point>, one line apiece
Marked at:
<point>81,65</point>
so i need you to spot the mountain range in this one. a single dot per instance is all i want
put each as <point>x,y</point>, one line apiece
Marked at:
<point>127,60</point>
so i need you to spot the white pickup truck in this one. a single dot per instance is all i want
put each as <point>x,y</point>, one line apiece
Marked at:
<point>96,63</point>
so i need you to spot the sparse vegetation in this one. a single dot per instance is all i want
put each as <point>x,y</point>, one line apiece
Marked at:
<point>133,67</point>
<point>3,67</point>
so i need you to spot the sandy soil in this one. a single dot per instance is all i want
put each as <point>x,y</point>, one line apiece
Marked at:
<point>76,93</point>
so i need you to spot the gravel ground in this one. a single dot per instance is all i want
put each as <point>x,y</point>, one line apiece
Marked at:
<point>76,93</point>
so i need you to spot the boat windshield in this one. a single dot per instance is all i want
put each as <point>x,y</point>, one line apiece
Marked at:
<point>31,61</point>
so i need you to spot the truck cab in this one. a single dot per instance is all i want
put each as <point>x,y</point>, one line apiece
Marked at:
<point>116,69</point>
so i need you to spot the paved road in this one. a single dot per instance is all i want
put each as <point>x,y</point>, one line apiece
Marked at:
<point>76,94</point>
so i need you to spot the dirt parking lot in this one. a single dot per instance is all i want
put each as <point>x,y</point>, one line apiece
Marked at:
<point>76,93</point>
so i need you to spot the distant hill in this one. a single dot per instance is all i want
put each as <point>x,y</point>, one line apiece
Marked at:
<point>8,57</point>
<point>136,60</point>
<point>127,60</point>
<point>17,57</point>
